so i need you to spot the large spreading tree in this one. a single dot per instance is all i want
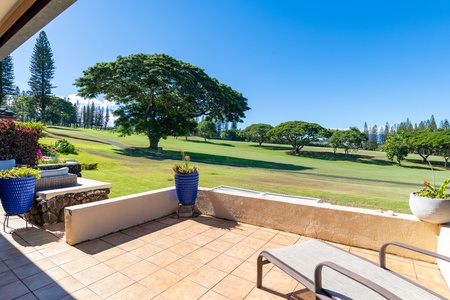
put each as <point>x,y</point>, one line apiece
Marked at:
<point>42,69</point>
<point>441,143</point>
<point>297,133</point>
<point>159,95</point>
<point>6,79</point>
<point>421,142</point>
<point>257,132</point>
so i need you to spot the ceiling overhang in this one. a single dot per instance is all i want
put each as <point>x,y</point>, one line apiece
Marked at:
<point>21,19</point>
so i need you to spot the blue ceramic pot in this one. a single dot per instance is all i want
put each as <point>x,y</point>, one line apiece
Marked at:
<point>17,194</point>
<point>187,187</point>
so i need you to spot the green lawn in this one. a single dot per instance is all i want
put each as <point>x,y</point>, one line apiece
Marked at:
<point>364,179</point>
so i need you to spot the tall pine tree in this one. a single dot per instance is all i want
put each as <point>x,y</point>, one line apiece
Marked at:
<point>6,79</point>
<point>373,138</point>
<point>85,116</point>
<point>102,117</point>
<point>432,126</point>
<point>386,131</point>
<point>42,69</point>
<point>107,117</point>
<point>91,116</point>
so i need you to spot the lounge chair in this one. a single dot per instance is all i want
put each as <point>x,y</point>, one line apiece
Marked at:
<point>332,273</point>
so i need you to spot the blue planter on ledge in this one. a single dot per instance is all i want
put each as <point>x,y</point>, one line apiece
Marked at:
<point>17,194</point>
<point>186,187</point>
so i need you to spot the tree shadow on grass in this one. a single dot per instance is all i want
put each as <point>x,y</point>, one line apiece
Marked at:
<point>93,140</point>
<point>329,155</point>
<point>62,128</point>
<point>272,147</point>
<point>351,157</point>
<point>209,159</point>
<point>420,164</point>
<point>211,143</point>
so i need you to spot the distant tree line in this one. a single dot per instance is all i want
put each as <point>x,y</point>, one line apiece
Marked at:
<point>424,142</point>
<point>38,103</point>
<point>90,116</point>
<point>161,96</point>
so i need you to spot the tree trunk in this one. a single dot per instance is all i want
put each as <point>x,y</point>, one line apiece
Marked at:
<point>154,144</point>
<point>424,157</point>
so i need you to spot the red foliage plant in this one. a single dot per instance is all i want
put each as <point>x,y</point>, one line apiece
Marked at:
<point>19,142</point>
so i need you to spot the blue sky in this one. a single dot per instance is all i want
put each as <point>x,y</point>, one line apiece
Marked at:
<point>335,63</point>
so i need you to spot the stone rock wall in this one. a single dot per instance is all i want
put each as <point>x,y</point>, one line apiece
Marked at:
<point>51,211</point>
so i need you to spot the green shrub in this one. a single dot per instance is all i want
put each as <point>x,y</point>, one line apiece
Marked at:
<point>89,166</point>
<point>65,147</point>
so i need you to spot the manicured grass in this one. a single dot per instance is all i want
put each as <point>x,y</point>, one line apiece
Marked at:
<point>363,179</point>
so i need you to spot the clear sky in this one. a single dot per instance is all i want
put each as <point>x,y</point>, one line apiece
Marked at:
<point>335,63</point>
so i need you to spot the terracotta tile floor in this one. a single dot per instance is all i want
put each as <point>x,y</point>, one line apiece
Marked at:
<point>170,258</point>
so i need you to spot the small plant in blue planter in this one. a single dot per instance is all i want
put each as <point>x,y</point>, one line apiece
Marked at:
<point>17,189</point>
<point>186,181</point>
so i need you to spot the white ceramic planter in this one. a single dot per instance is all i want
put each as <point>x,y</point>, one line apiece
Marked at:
<point>430,210</point>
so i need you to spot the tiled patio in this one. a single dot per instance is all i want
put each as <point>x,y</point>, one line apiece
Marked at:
<point>170,258</point>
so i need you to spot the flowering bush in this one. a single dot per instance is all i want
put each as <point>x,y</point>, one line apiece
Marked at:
<point>49,159</point>
<point>431,191</point>
<point>184,168</point>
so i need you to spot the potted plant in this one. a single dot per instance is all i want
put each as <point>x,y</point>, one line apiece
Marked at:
<point>17,189</point>
<point>431,204</point>
<point>186,181</point>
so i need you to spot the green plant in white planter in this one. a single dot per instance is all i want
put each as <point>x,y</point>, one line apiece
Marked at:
<point>17,189</point>
<point>431,191</point>
<point>431,204</point>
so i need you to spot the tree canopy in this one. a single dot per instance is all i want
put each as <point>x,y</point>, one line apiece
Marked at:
<point>350,139</point>
<point>297,133</point>
<point>6,79</point>
<point>396,146</point>
<point>420,142</point>
<point>257,132</point>
<point>159,95</point>
<point>441,144</point>
<point>206,129</point>
<point>62,112</point>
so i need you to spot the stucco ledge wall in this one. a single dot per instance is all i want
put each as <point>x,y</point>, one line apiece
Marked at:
<point>357,227</point>
<point>93,220</point>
